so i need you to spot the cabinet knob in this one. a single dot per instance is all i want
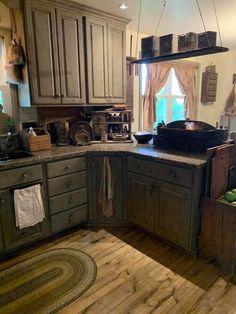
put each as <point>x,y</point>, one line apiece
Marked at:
<point>68,184</point>
<point>56,96</point>
<point>70,200</point>
<point>2,201</point>
<point>70,218</point>
<point>25,175</point>
<point>172,174</point>
<point>67,167</point>
<point>62,96</point>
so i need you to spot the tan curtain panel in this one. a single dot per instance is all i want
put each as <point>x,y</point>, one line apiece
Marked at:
<point>186,78</point>
<point>157,75</point>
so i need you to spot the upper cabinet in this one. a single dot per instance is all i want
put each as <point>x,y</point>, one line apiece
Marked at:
<point>106,61</point>
<point>59,43</point>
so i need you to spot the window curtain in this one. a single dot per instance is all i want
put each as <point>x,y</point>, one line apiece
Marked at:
<point>157,75</point>
<point>186,78</point>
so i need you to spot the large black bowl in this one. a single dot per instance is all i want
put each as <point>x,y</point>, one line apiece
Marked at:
<point>142,138</point>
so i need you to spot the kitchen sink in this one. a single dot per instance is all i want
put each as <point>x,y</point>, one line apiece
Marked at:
<point>4,156</point>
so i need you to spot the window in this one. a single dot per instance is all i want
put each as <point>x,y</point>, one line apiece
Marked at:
<point>169,101</point>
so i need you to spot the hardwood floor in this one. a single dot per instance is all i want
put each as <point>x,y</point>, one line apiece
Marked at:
<point>137,273</point>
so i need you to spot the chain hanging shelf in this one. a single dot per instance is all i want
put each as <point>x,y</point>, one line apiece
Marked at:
<point>181,55</point>
<point>184,54</point>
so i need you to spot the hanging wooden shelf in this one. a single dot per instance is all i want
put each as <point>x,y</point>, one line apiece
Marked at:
<point>182,55</point>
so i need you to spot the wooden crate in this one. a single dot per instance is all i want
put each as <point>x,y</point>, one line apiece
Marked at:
<point>36,143</point>
<point>218,234</point>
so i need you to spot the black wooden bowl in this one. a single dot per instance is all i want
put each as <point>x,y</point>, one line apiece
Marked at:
<point>142,138</point>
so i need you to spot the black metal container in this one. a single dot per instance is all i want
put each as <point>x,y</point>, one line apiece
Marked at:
<point>150,47</point>
<point>187,42</point>
<point>168,44</point>
<point>207,39</point>
<point>175,135</point>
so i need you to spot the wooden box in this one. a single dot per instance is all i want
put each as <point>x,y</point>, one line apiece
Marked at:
<point>209,87</point>
<point>206,39</point>
<point>150,47</point>
<point>188,41</point>
<point>36,143</point>
<point>168,44</point>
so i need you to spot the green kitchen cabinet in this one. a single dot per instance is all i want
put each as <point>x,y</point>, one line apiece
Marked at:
<point>13,236</point>
<point>141,201</point>
<point>172,213</point>
<point>95,176</point>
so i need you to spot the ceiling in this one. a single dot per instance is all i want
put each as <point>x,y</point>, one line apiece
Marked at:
<point>180,16</point>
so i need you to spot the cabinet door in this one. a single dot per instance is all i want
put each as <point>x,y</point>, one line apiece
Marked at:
<point>117,65</point>
<point>172,220</point>
<point>95,175</point>
<point>141,203</point>
<point>13,236</point>
<point>97,60</point>
<point>42,53</point>
<point>71,56</point>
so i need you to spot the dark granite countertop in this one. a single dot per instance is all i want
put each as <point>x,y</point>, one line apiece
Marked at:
<point>147,151</point>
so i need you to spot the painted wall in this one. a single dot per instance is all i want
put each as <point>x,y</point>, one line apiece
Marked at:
<point>4,16</point>
<point>225,67</point>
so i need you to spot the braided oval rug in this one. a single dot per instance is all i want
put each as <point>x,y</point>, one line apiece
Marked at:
<point>46,282</point>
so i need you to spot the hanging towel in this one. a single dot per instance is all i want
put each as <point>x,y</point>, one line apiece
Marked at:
<point>106,193</point>
<point>29,208</point>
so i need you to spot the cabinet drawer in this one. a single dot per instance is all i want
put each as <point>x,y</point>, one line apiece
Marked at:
<point>69,218</point>
<point>67,201</point>
<point>60,168</point>
<point>9,178</point>
<point>67,183</point>
<point>180,176</point>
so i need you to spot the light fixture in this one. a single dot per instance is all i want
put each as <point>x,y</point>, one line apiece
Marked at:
<point>123,6</point>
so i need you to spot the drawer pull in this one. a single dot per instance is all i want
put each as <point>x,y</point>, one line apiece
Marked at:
<point>68,184</point>
<point>70,200</point>
<point>25,175</point>
<point>172,174</point>
<point>68,167</point>
<point>70,218</point>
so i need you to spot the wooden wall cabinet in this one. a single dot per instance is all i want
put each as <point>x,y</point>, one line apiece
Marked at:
<point>55,54</point>
<point>94,176</point>
<point>106,61</point>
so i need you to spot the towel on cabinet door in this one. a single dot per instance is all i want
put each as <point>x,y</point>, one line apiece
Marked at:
<point>29,208</point>
<point>106,193</point>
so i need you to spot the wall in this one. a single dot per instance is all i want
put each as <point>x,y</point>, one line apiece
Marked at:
<point>4,16</point>
<point>225,67</point>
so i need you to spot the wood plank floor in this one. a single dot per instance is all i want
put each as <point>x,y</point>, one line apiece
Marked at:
<point>137,273</point>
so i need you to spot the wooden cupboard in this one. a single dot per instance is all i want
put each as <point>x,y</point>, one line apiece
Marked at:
<point>94,177</point>
<point>106,61</point>
<point>170,208</point>
<point>56,54</point>
<point>141,201</point>
<point>62,49</point>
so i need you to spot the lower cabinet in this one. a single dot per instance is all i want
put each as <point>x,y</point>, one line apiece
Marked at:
<point>141,201</point>
<point>13,236</point>
<point>1,240</point>
<point>172,213</point>
<point>95,171</point>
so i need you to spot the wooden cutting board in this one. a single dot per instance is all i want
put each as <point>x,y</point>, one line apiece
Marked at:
<point>220,164</point>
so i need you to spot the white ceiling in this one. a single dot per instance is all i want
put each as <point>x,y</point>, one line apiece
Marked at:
<point>180,16</point>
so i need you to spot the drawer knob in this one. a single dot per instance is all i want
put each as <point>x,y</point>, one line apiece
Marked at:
<point>172,174</point>
<point>138,167</point>
<point>70,200</point>
<point>2,201</point>
<point>25,175</point>
<point>68,184</point>
<point>67,167</point>
<point>70,218</point>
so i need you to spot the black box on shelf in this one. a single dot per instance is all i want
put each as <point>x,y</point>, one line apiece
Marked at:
<point>207,39</point>
<point>168,44</point>
<point>150,47</point>
<point>187,42</point>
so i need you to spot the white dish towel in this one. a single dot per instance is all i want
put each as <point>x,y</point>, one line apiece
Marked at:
<point>29,208</point>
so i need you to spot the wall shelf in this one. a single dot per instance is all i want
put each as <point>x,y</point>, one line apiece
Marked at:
<point>182,55</point>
